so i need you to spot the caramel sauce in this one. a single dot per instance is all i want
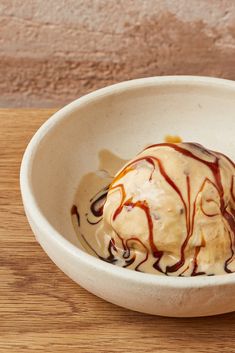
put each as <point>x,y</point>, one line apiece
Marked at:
<point>97,204</point>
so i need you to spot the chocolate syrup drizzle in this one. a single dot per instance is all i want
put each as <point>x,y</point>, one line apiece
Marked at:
<point>74,212</point>
<point>98,201</point>
<point>97,204</point>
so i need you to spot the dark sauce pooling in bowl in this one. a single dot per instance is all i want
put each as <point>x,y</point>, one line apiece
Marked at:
<point>74,212</point>
<point>97,205</point>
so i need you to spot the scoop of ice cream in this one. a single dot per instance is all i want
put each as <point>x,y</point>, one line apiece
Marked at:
<point>171,210</point>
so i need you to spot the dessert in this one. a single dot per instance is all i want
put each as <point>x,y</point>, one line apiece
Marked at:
<point>169,211</point>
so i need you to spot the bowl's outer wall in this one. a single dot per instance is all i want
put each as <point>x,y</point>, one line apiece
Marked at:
<point>152,298</point>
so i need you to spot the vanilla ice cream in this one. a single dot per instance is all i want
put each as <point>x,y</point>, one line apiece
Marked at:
<point>171,210</point>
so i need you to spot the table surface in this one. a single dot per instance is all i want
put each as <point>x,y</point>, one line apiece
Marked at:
<point>42,310</point>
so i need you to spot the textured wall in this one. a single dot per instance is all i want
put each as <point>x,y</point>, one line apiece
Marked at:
<point>52,51</point>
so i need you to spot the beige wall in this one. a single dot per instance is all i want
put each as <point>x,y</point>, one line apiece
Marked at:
<point>52,51</point>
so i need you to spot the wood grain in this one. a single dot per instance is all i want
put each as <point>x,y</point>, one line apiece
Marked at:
<point>41,310</point>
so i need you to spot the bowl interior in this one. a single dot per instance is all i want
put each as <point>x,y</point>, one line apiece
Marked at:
<point>124,119</point>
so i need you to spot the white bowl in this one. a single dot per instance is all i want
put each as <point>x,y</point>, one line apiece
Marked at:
<point>124,118</point>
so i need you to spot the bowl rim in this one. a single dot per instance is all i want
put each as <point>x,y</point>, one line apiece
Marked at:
<point>30,202</point>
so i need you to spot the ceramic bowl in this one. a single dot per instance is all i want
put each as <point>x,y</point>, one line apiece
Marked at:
<point>124,118</point>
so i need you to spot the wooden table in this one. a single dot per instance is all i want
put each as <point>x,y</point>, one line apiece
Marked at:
<point>42,310</point>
